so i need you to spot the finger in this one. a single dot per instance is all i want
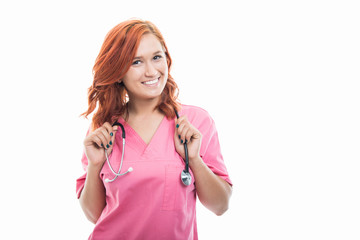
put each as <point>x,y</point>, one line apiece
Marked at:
<point>115,129</point>
<point>112,132</point>
<point>95,139</point>
<point>180,121</point>
<point>109,128</point>
<point>183,132</point>
<point>105,136</point>
<point>189,134</point>
<point>197,134</point>
<point>112,135</point>
<point>182,127</point>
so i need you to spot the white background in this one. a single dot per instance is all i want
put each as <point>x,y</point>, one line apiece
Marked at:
<point>280,79</point>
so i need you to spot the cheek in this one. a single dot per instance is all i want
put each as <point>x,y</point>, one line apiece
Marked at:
<point>132,75</point>
<point>164,68</point>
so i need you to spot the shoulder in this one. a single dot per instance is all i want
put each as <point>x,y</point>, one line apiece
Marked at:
<point>196,115</point>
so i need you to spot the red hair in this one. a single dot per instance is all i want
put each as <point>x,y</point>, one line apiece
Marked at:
<point>112,63</point>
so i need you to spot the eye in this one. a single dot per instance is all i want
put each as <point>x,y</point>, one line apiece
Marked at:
<point>136,62</point>
<point>157,57</point>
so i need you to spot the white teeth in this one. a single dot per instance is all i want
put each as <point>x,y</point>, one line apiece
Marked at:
<point>151,82</point>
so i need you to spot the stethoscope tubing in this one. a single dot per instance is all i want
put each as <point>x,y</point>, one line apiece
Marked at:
<point>185,175</point>
<point>122,156</point>
<point>185,148</point>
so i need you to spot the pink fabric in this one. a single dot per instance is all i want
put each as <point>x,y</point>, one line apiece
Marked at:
<point>151,202</point>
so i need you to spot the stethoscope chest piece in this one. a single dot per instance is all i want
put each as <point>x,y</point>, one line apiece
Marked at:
<point>185,178</point>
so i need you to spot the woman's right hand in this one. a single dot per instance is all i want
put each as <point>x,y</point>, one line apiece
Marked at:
<point>98,140</point>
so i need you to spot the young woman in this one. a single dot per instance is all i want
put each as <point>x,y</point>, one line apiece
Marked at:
<point>132,86</point>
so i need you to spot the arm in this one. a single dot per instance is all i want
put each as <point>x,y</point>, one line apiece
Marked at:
<point>214,192</point>
<point>92,198</point>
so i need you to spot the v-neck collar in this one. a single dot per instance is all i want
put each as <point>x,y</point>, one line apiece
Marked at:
<point>133,139</point>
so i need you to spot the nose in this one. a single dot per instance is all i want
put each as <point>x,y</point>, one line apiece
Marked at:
<point>150,70</point>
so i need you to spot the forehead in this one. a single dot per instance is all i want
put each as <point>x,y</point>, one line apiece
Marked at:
<point>148,45</point>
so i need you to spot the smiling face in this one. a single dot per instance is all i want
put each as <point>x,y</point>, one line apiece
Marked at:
<point>148,73</point>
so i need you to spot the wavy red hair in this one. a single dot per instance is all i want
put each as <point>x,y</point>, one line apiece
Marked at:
<point>113,61</point>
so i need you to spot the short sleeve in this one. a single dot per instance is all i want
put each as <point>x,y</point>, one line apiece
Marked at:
<point>80,182</point>
<point>210,150</point>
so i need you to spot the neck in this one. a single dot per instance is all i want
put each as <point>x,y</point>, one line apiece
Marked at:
<point>143,108</point>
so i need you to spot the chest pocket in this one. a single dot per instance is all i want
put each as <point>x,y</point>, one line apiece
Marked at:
<point>176,194</point>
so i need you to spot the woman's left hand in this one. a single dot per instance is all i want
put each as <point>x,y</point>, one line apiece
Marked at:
<point>184,131</point>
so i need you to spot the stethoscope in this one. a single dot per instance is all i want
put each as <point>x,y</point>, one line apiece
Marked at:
<point>185,174</point>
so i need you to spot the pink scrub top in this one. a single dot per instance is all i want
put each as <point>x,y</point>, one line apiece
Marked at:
<point>151,202</point>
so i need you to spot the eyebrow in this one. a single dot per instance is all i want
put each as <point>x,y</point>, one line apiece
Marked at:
<point>157,52</point>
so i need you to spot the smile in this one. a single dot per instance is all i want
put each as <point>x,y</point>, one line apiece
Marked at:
<point>151,82</point>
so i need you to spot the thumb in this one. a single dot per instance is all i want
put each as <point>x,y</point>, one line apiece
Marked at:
<point>115,129</point>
